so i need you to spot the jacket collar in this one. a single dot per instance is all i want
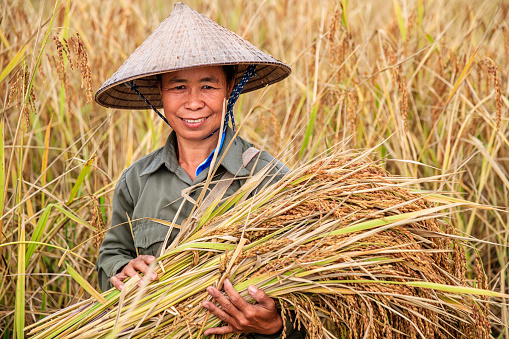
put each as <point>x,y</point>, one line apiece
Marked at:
<point>232,161</point>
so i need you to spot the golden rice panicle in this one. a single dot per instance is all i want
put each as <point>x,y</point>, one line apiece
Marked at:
<point>80,61</point>
<point>505,32</point>
<point>63,55</point>
<point>21,93</point>
<point>97,223</point>
<point>494,71</point>
<point>332,36</point>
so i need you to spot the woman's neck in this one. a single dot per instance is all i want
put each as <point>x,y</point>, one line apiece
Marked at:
<point>191,154</point>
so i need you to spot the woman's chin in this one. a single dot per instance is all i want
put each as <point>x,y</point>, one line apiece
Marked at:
<point>198,135</point>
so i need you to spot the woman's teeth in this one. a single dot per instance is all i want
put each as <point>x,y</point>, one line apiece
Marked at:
<point>194,120</point>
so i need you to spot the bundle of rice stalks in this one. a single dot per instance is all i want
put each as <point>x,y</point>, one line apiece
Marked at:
<point>341,245</point>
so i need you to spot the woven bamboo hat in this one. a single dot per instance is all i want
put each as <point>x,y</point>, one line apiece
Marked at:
<point>185,39</point>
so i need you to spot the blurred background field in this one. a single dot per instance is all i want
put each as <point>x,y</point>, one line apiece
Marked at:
<point>430,77</point>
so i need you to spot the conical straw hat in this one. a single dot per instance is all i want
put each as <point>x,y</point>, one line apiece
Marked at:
<point>185,39</point>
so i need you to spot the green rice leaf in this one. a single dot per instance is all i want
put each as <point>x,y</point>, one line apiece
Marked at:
<point>38,231</point>
<point>13,63</point>
<point>86,285</point>
<point>29,90</point>
<point>400,19</point>
<point>79,181</point>
<point>72,216</point>
<point>309,129</point>
<point>2,172</point>
<point>19,311</point>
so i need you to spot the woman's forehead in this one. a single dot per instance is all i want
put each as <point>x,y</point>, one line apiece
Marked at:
<point>209,73</point>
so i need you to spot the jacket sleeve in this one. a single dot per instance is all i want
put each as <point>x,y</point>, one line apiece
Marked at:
<point>275,174</point>
<point>117,248</point>
<point>291,333</point>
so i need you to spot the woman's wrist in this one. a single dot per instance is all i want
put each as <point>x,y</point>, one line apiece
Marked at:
<point>280,327</point>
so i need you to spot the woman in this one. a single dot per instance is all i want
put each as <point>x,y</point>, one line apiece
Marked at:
<point>190,66</point>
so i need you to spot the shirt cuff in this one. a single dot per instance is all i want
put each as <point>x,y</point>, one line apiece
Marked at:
<point>109,269</point>
<point>119,265</point>
<point>111,265</point>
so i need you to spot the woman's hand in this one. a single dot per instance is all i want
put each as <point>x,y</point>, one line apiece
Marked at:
<point>241,316</point>
<point>139,264</point>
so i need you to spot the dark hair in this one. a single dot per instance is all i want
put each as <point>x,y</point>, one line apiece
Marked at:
<point>229,72</point>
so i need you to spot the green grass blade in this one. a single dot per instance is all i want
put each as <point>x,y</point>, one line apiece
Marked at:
<point>45,157</point>
<point>19,310</point>
<point>309,130</point>
<point>44,300</point>
<point>369,224</point>
<point>457,289</point>
<point>86,285</point>
<point>401,20</point>
<point>200,246</point>
<point>420,13</point>
<point>344,16</point>
<point>2,174</point>
<point>13,63</point>
<point>79,181</point>
<point>45,41</point>
<point>37,234</point>
<point>73,217</point>
<point>424,284</point>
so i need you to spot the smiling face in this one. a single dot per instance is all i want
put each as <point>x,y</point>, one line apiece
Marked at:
<point>193,101</point>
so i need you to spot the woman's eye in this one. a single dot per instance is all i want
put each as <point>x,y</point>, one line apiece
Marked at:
<point>208,87</point>
<point>179,87</point>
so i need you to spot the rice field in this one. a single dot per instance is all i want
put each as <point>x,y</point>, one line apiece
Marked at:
<point>427,81</point>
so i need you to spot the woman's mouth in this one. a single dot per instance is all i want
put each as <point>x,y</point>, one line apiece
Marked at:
<point>194,121</point>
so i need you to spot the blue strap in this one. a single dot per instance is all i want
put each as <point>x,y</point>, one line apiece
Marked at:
<point>132,85</point>
<point>207,161</point>
<point>250,72</point>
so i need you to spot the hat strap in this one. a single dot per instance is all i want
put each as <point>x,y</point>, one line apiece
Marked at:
<point>132,85</point>
<point>248,74</point>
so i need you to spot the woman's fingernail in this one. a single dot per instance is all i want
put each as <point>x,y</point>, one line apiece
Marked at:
<point>120,287</point>
<point>154,276</point>
<point>252,289</point>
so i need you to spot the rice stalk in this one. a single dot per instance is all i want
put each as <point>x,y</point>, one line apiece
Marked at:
<point>344,250</point>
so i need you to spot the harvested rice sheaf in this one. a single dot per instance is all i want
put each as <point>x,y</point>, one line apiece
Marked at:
<point>344,248</point>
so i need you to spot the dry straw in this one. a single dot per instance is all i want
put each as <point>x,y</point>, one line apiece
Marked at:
<point>346,249</point>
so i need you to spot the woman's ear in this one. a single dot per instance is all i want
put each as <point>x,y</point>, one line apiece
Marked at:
<point>159,78</point>
<point>230,87</point>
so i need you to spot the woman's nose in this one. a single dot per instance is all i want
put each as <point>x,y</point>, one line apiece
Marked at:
<point>194,100</point>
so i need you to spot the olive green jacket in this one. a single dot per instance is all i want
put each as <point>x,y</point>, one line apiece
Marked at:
<point>151,188</point>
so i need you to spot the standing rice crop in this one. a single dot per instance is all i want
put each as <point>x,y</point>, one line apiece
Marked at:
<point>346,249</point>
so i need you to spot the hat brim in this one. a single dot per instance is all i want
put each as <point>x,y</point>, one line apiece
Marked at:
<point>120,95</point>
